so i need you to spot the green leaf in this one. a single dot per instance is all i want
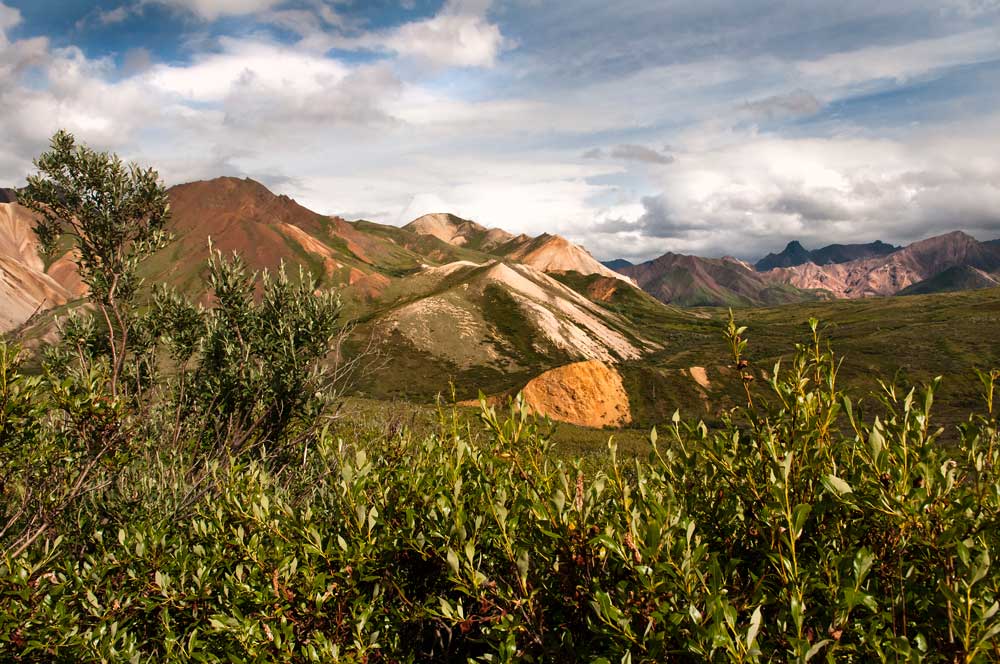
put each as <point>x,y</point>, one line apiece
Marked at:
<point>799,517</point>
<point>754,628</point>
<point>453,561</point>
<point>522,564</point>
<point>863,561</point>
<point>836,485</point>
<point>816,648</point>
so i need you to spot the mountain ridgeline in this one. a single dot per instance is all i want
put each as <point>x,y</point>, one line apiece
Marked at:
<point>446,300</point>
<point>441,299</point>
<point>954,261</point>
<point>795,254</point>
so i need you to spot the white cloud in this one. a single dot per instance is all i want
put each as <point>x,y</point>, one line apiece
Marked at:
<point>213,9</point>
<point>386,139</point>
<point>459,35</point>
<point>752,195</point>
<point>268,67</point>
<point>9,17</point>
<point>448,40</point>
<point>904,61</point>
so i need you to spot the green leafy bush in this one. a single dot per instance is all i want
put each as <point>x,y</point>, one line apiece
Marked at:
<point>800,529</point>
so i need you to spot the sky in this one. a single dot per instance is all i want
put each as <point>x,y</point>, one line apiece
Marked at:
<point>633,127</point>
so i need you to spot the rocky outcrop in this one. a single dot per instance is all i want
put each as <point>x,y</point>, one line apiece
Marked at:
<point>589,394</point>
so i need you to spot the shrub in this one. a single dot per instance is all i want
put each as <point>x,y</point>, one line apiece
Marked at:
<point>799,529</point>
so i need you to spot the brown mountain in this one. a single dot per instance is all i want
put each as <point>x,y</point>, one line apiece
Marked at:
<point>695,281</point>
<point>957,278</point>
<point>243,216</point>
<point>459,232</point>
<point>554,253</point>
<point>549,253</point>
<point>887,275</point>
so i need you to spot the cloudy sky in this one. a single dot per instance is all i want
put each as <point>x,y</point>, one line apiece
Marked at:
<point>635,127</point>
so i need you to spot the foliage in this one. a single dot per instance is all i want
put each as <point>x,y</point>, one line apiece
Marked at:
<point>114,215</point>
<point>255,363</point>
<point>804,529</point>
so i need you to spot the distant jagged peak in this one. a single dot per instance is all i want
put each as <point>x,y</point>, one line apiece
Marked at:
<point>795,254</point>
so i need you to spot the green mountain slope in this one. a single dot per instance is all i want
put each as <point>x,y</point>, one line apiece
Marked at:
<point>693,281</point>
<point>956,278</point>
<point>490,327</point>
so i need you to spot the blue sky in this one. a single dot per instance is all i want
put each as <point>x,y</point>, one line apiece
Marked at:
<point>633,127</point>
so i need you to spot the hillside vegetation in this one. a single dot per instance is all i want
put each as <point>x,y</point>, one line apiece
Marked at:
<point>800,527</point>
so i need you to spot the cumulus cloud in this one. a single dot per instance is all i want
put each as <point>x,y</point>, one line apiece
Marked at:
<point>9,17</point>
<point>395,134</point>
<point>751,197</point>
<point>460,35</point>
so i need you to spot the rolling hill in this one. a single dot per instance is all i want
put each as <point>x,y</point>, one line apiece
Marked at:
<point>459,232</point>
<point>446,300</point>
<point>490,326</point>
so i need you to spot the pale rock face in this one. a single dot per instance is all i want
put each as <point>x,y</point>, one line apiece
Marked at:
<point>553,253</point>
<point>25,287</point>
<point>458,232</point>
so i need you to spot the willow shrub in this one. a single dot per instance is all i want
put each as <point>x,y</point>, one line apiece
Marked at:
<point>800,529</point>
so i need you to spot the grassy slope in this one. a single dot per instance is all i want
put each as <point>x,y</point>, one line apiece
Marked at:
<point>916,338</point>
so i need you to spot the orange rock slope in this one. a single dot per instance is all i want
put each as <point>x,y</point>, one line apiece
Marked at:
<point>589,394</point>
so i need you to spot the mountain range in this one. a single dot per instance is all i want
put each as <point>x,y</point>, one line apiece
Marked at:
<point>795,254</point>
<point>445,299</point>
<point>953,261</point>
